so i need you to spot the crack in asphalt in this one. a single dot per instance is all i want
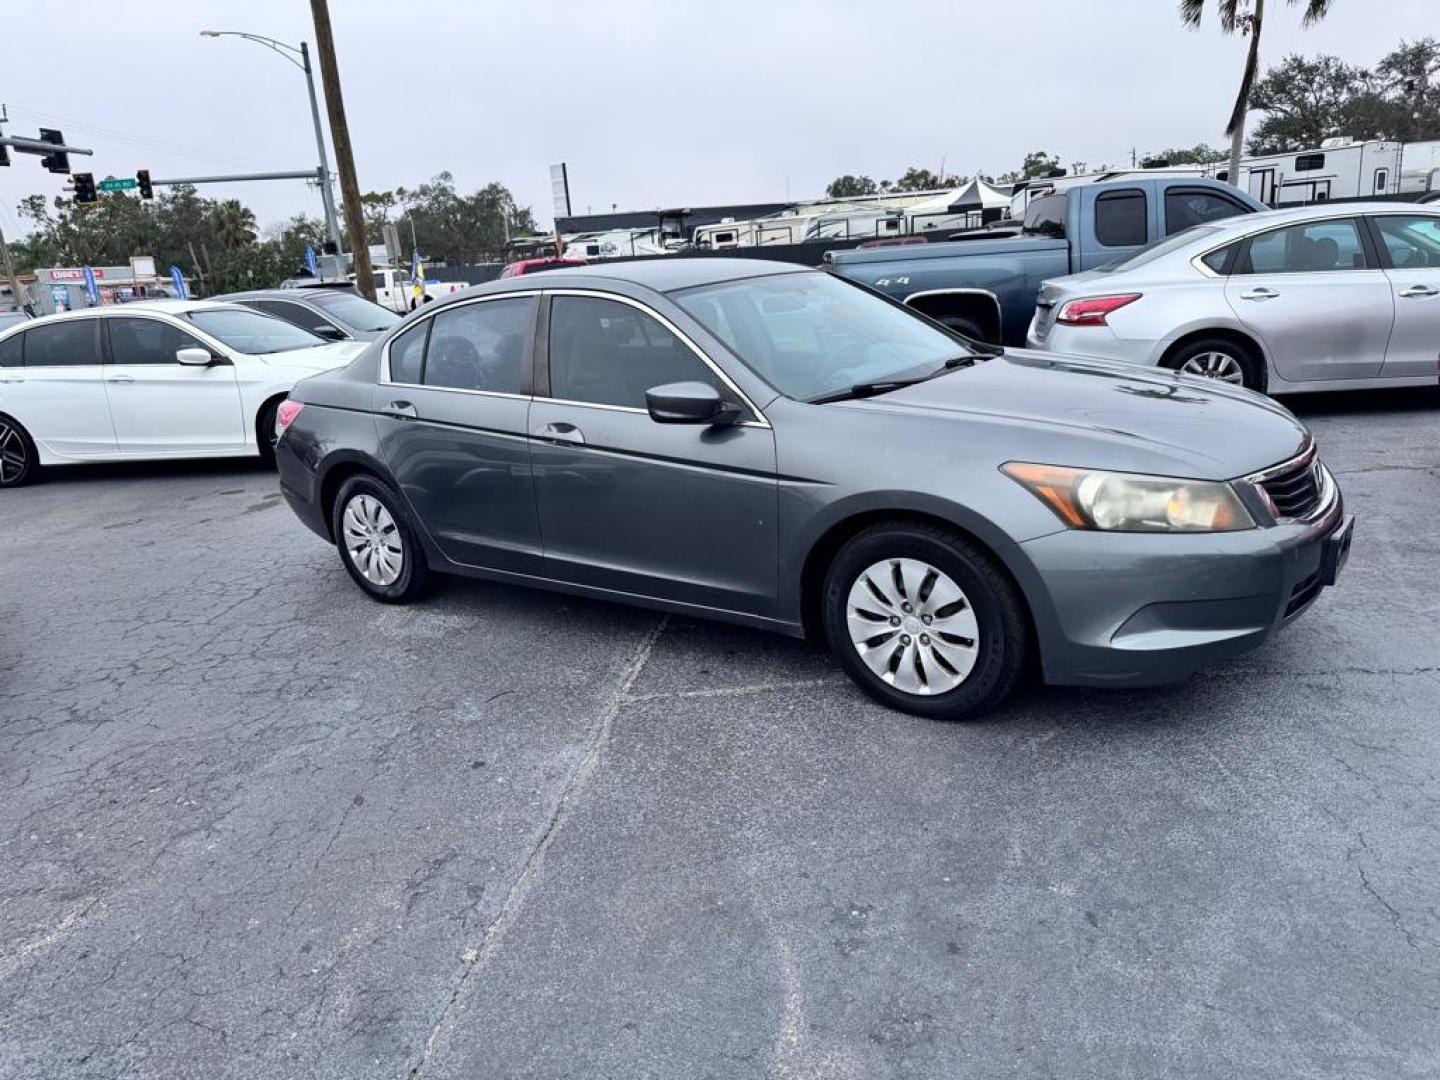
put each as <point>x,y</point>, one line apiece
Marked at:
<point>476,957</point>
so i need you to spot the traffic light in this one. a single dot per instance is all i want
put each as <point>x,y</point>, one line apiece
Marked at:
<point>84,187</point>
<point>57,162</point>
<point>143,179</point>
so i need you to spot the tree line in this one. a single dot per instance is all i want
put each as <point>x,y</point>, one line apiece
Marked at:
<point>217,243</point>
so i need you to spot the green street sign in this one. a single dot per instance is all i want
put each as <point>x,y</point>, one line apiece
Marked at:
<point>117,185</point>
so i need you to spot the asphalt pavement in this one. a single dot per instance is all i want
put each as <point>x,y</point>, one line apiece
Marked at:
<point>255,825</point>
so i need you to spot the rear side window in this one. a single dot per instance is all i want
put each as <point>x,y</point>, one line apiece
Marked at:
<point>12,351</point>
<point>1309,248</point>
<point>1222,260</point>
<point>407,354</point>
<point>63,344</point>
<point>1185,207</point>
<point>481,346</point>
<point>1120,219</point>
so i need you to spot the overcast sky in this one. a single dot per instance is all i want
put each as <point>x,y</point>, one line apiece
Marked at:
<point>651,102</point>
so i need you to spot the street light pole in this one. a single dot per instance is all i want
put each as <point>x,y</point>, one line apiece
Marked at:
<point>290,52</point>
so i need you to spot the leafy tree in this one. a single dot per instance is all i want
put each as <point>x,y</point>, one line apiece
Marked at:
<point>918,179</point>
<point>847,186</point>
<point>1199,154</point>
<point>1038,163</point>
<point>233,223</point>
<point>1410,77</point>
<point>1305,101</point>
<point>1234,15</point>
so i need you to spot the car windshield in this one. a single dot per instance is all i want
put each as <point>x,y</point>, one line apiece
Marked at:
<point>355,311</point>
<point>250,332</point>
<point>1154,250</point>
<point>810,335</point>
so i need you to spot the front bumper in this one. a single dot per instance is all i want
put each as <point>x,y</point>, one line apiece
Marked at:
<point>1137,609</point>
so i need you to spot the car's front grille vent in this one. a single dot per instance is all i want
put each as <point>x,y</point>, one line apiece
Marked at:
<point>1296,492</point>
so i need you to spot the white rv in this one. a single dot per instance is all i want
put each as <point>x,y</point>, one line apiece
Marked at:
<point>1341,168</point>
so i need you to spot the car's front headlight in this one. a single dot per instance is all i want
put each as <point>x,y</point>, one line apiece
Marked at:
<point>1129,502</point>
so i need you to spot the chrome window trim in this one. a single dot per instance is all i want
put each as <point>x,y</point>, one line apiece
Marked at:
<point>386,380</point>
<point>760,420</point>
<point>1356,216</point>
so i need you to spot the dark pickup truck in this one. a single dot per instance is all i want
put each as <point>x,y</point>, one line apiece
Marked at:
<point>986,289</point>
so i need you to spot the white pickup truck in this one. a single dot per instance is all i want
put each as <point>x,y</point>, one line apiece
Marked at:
<point>395,289</point>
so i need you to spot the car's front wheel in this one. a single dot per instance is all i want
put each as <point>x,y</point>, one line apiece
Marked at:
<point>924,621</point>
<point>377,542</point>
<point>19,463</point>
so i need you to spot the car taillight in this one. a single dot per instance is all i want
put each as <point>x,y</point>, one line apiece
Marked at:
<point>285,415</point>
<point>1093,310</point>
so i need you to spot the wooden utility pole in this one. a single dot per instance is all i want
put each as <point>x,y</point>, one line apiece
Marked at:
<point>15,291</point>
<point>344,158</point>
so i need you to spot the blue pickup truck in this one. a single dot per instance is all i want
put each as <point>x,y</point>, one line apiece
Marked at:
<point>986,289</point>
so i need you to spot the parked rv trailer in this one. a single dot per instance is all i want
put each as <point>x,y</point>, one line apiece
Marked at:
<point>1341,168</point>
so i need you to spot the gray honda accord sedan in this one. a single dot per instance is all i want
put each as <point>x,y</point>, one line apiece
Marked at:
<point>779,447</point>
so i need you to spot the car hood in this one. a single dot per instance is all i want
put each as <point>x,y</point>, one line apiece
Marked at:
<point>318,357</point>
<point>1066,410</point>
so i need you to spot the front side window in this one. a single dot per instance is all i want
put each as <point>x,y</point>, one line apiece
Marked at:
<point>1187,207</point>
<point>355,311</point>
<point>1413,243</point>
<point>1310,248</point>
<point>147,341</point>
<point>604,352</point>
<point>813,334</point>
<point>252,332</point>
<point>1120,219</point>
<point>62,344</point>
<point>481,346</point>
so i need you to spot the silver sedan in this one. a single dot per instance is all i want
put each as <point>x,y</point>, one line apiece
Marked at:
<point>1322,297</point>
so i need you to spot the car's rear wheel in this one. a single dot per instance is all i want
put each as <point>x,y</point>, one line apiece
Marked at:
<point>377,542</point>
<point>1220,358</point>
<point>924,621</point>
<point>19,463</point>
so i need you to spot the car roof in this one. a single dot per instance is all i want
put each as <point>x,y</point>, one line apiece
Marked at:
<point>664,273</point>
<point>1318,211</point>
<point>164,307</point>
<point>299,296</point>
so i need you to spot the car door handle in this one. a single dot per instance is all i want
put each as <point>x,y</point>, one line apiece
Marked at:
<point>120,378</point>
<point>1262,293</point>
<point>1420,290</point>
<point>401,410</point>
<point>560,432</point>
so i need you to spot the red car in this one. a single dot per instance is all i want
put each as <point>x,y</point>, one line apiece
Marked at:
<point>534,266</point>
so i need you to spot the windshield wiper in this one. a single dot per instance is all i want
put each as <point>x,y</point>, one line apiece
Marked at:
<point>866,389</point>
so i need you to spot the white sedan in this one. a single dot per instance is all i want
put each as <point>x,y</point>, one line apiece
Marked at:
<point>1331,297</point>
<point>155,380</point>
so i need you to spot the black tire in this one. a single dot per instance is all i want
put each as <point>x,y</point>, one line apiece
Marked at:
<point>1252,367</point>
<point>1003,638</point>
<point>19,462</point>
<point>414,575</point>
<point>265,437</point>
<point>967,327</point>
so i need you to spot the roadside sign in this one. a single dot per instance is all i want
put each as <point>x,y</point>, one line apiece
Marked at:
<point>91,288</point>
<point>310,263</point>
<point>127,184</point>
<point>178,280</point>
<point>142,266</point>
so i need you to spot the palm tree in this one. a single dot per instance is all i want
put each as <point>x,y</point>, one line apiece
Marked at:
<point>1235,16</point>
<point>234,224</point>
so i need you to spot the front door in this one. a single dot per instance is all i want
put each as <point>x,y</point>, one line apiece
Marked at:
<point>52,381</point>
<point>451,409</point>
<point>1317,300</point>
<point>162,406</point>
<point>675,511</point>
<point>1410,247</point>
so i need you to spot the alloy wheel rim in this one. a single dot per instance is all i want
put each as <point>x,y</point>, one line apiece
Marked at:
<point>913,626</point>
<point>1215,365</point>
<point>12,454</point>
<point>372,540</point>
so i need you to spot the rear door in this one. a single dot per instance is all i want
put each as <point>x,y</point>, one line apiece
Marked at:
<point>450,411</point>
<point>52,381</point>
<point>1314,294</point>
<point>1409,246</point>
<point>161,406</point>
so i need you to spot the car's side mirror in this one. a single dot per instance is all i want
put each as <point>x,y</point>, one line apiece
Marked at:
<point>689,403</point>
<point>194,357</point>
<point>330,333</point>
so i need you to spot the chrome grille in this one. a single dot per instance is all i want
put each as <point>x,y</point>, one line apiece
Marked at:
<point>1295,494</point>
